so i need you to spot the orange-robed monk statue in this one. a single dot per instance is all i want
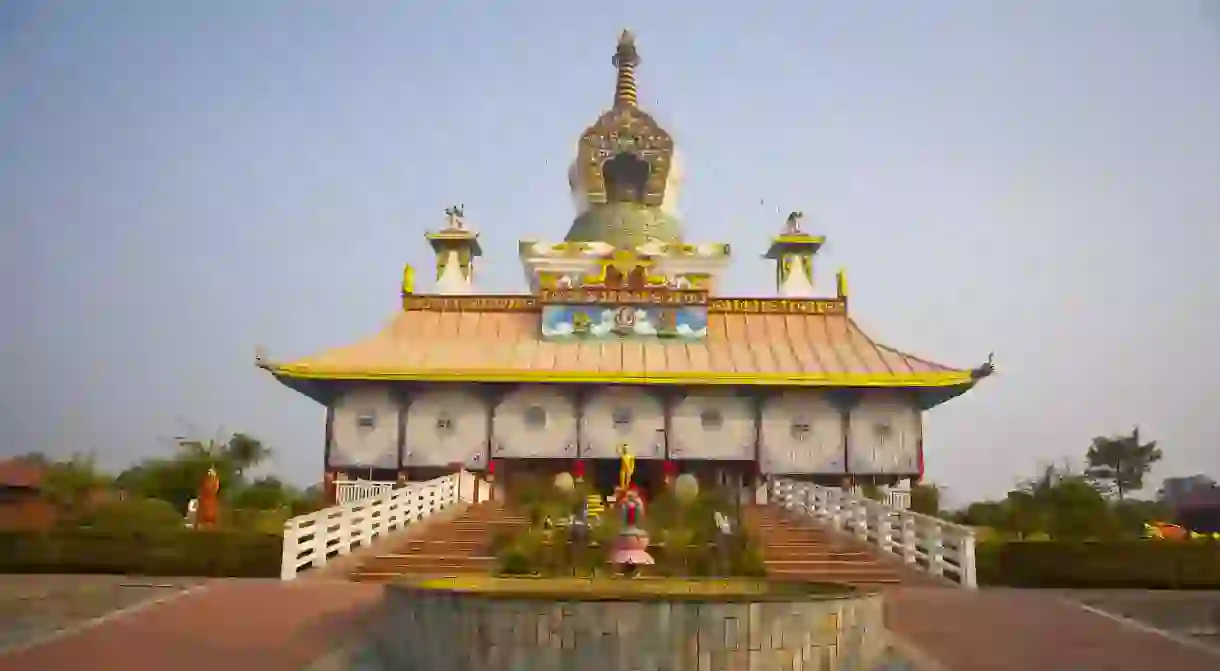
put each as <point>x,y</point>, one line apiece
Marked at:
<point>209,506</point>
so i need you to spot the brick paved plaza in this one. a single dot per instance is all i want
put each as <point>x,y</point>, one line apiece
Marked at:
<point>274,626</point>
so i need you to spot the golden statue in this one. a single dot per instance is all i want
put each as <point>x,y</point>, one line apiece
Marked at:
<point>627,469</point>
<point>408,280</point>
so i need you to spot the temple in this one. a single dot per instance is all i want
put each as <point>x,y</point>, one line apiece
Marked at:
<point>624,338</point>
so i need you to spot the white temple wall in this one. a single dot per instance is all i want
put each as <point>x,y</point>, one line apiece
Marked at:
<point>614,416</point>
<point>713,424</point>
<point>884,433</point>
<point>535,422</point>
<point>364,429</point>
<point>446,426</point>
<point>801,433</point>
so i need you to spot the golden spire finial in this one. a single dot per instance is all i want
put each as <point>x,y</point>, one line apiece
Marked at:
<point>625,59</point>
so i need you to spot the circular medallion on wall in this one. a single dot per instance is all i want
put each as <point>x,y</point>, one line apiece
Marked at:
<point>535,417</point>
<point>622,419</point>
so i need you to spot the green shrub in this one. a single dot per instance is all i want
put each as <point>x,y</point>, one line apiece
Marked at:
<point>682,536</point>
<point>177,552</point>
<point>132,516</point>
<point>1133,564</point>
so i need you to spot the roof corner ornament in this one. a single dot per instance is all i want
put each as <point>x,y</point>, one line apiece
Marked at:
<point>793,225</point>
<point>841,283</point>
<point>985,369</point>
<point>408,280</point>
<point>456,215</point>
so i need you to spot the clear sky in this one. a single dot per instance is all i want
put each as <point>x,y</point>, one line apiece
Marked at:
<point>183,181</point>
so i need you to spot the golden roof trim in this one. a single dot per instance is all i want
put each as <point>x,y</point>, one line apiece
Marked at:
<point>939,379</point>
<point>533,303</point>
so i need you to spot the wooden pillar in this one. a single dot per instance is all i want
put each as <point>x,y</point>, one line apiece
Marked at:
<point>846,400</point>
<point>330,492</point>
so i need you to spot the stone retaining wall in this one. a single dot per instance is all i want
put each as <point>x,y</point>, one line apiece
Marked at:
<point>430,629</point>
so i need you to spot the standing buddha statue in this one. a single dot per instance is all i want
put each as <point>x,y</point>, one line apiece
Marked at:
<point>208,511</point>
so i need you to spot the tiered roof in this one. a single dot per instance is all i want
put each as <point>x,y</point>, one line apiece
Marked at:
<point>623,168</point>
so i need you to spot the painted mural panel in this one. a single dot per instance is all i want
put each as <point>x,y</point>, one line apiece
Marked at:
<point>713,424</point>
<point>614,416</point>
<point>885,431</point>
<point>444,427</point>
<point>596,322</point>
<point>364,432</point>
<point>533,422</point>
<point>801,433</point>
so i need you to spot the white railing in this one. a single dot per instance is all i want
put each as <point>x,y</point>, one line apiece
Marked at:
<point>898,498</point>
<point>938,547</point>
<point>894,498</point>
<point>354,490</point>
<point>312,540</point>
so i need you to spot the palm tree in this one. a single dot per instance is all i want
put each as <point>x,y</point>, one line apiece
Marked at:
<point>240,450</point>
<point>245,451</point>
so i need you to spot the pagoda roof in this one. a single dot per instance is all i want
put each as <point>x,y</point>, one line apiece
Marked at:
<point>809,350</point>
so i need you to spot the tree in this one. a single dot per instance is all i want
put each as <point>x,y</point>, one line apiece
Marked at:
<point>871,491</point>
<point>983,514</point>
<point>246,451</point>
<point>925,499</point>
<point>71,485</point>
<point>241,450</point>
<point>266,493</point>
<point>1024,513</point>
<point>1121,461</point>
<point>1077,511</point>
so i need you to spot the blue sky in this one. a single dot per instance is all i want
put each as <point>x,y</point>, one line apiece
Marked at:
<point>180,182</point>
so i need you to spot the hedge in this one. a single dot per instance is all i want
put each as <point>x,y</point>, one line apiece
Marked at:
<point>1133,564</point>
<point>179,552</point>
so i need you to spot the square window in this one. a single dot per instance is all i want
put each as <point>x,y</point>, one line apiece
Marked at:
<point>366,421</point>
<point>711,419</point>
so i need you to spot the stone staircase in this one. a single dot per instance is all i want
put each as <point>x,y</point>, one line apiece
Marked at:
<point>796,549</point>
<point>458,546</point>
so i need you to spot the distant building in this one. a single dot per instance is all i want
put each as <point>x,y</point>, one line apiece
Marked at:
<point>1177,491</point>
<point>21,504</point>
<point>1195,501</point>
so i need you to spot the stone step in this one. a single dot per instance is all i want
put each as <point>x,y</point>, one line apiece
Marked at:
<point>773,553</point>
<point>387,561</point>
<point>484,532</point>
<point>389,576</point>
<point>500,522</point>
<point>440,545</point>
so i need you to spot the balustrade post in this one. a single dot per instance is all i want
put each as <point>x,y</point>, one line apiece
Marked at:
<point>967,569</point>
<point>909,540</point>
<point>936,550</point>
<point>290,553</point>
<point>321,540</point>
<point>860,518</point>
<point>884,529</point>
<point>345,535</point>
